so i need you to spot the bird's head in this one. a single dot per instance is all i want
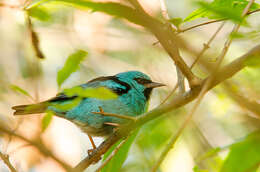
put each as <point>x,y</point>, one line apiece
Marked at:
<point>139,81</point>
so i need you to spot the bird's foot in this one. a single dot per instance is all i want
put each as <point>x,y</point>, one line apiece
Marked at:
<point>90,151</point>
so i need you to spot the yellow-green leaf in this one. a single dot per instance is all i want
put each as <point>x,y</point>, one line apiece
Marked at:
<point>47,120</point>
<point>71,65</point>
<point>20,90</point>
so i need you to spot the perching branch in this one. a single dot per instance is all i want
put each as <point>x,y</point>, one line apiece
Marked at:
<point>177,101</point>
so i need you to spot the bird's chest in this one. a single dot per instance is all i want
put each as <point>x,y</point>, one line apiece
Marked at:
<point>128,104</point>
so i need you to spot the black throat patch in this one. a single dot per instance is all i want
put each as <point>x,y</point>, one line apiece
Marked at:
<point>147,93</point>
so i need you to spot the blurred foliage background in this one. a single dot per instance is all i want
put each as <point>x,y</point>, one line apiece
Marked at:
<point>50,36</point>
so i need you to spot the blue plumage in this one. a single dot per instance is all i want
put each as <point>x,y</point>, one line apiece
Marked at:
<point>133,89</point>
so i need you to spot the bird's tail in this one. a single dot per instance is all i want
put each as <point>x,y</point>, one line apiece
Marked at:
<point>30,109</point>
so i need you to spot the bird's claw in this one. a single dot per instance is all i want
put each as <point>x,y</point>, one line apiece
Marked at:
<point>90,151</point>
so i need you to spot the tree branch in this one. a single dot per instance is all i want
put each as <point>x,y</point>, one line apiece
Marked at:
<point>173,140</point>
<point>177,101</point>
<point>166,36</point>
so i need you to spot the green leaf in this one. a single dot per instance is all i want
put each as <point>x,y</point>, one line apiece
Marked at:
<point>244,155</point>
<point>20,90</point>
<point>176,21</point>
<point>222,12</point>
<point>253,61</point>
<point>99,92</point>
<point>221,9</point>
<point>71,65</point>
<point>117,161</point>
<point>47,120</point>
<point>40,13</point>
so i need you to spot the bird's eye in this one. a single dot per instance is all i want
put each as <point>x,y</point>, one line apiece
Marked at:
<point>119,90</point>
<point>139,80</point>
<point>142,81</point>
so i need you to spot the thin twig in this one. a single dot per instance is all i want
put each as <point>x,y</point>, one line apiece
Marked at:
<point>34,39</point>
<point>198,25</point>
<point>172,142</point>
<point>254,11</point>
<point>111,155</point>
<point>206,46</point>
<point>206,23</point>
<point>7,162</point>
<point>167,37</point>
<point>212,21</point>
<point>202,93</point>
<point>171,93</point>
<point>39,146</point>
<point>200,54</point>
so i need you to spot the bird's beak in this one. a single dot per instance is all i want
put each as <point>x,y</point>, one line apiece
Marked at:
<point>153,85</point>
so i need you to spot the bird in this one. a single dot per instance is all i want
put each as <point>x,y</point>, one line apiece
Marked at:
<point>133,90</point>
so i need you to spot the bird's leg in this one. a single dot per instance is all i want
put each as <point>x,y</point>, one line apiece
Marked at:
<point>92,143</point>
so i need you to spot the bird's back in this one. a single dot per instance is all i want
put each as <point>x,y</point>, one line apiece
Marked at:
<point>131,103</point>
